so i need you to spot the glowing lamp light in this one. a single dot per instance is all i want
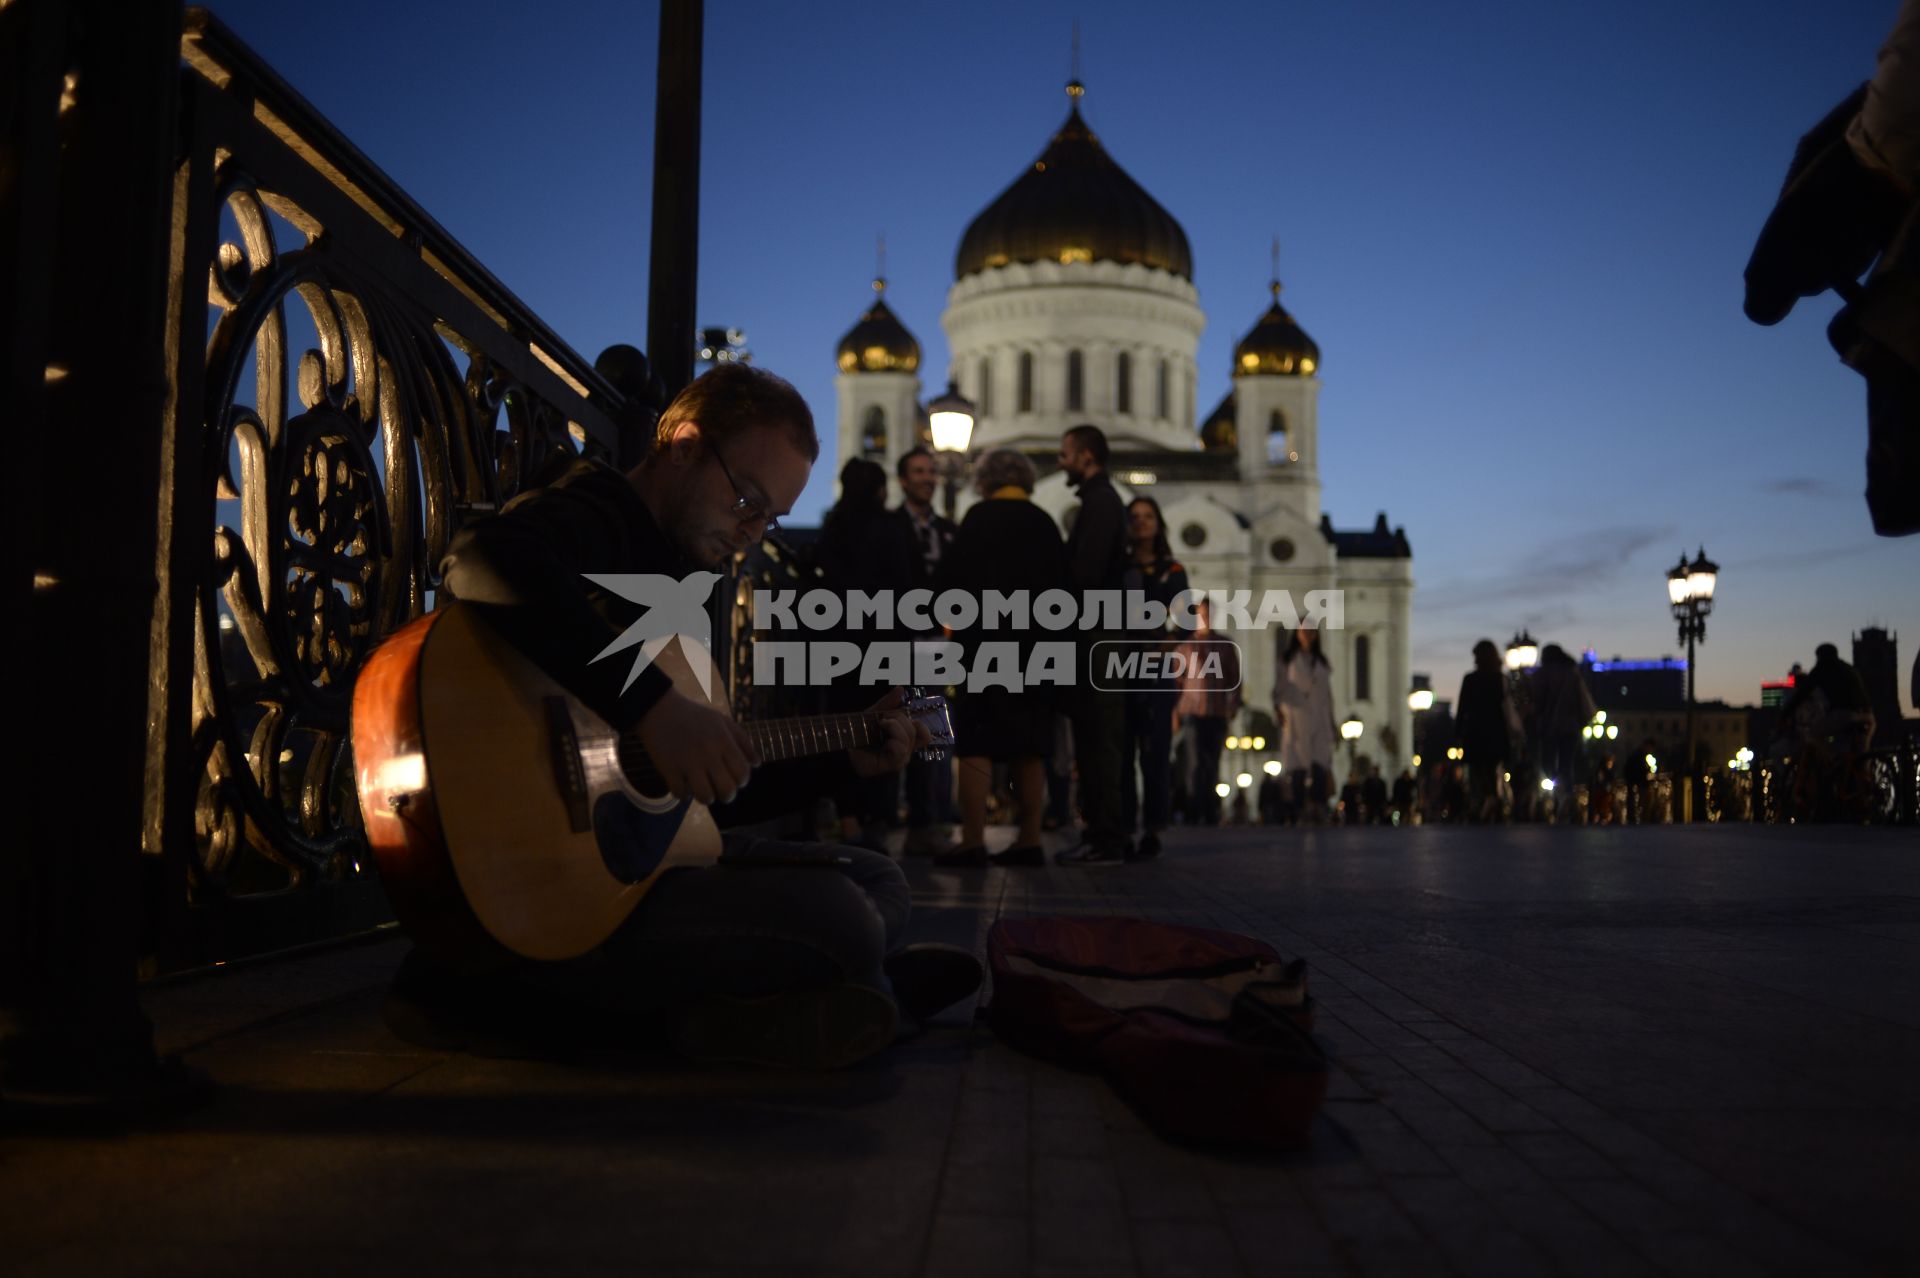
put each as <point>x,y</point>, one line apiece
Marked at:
<point>1599,716</point>
<point>1244,780</point>
<point>1259,743</point>
<point>1523,653</point>
<point>1420,699</point>
<point>1271,767</point>
<point>1223,789</point>
<point>1613,732</point>
<point>1351,729</point>
<point>1546,783</point>
<point>1233,743</point>
<point>1416,760</point>
<point>1653,764</point>
<point>951,419</point>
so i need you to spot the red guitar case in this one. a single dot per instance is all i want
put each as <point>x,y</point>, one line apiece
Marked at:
<point>1208,1035</point>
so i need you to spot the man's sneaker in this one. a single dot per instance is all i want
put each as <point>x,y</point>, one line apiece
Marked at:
<point>828,1027</point>
<point>929,977</point>
<point>1094,854</point>
<point>1020,854</point>
<point>1148,847</point>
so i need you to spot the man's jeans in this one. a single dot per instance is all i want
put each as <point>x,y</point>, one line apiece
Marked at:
<point>1149,740</point>
<point>1209,738</point>
<point>771,917</point>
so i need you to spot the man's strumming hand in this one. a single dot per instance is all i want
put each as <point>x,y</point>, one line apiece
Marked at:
<point>700,752</point>
<point>904,735</point>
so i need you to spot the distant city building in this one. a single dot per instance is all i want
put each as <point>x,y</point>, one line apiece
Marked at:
<point>1876,657</point>
<point>1073,301</point>
<point>1648,700</point>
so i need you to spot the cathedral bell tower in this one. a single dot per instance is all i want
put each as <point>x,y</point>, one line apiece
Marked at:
<point>878,386</point>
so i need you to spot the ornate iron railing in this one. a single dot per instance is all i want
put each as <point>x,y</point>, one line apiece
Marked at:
<point>350,385</point>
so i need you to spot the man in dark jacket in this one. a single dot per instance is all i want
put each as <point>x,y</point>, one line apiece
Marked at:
<point>929,782</point>
<point>782,953</point>
<point>1097,549</point>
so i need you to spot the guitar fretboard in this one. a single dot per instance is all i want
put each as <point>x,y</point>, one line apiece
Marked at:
<point>775,739</point>
<point>778,739</point>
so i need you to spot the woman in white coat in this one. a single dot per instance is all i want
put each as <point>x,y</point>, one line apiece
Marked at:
<point>1303,709</point>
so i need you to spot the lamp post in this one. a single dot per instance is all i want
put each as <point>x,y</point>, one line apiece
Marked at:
<point>1690,595</point>
<point>1420,701</point>
<point>1350,731</point>
<point>950,417</point>
<point>1523,653</point>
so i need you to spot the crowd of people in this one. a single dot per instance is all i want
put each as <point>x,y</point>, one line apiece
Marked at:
<point>1122,766</point>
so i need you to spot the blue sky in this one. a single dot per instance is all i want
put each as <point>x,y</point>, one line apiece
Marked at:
<point>1516,232</point>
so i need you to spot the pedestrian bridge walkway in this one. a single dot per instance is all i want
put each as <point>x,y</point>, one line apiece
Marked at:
<point>1661,1049</point>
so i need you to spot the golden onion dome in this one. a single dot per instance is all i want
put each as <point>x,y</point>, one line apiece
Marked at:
<point>1276,345</point>
<point>879,343</point>
<point>1220,432</point>
<point>1074,204</point>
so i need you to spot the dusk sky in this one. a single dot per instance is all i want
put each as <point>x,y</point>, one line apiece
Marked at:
<point>1515,231</point>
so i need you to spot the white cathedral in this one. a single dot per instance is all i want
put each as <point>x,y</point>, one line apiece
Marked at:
<point>1073,301</point>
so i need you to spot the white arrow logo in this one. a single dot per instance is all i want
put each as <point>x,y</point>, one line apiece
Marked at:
<point>674,609</point>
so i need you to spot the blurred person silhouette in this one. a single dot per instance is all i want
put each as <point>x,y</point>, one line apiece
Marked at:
<point>1303,711</point>
<point>1849,204</point>
<point>928,782</point>
<point>1005,543</point>
<point>1148,740</point>
<point>863,547</point>
<point>1562,706</point>
<point>1097,552</point>
<point>1209,698</point>
<point>1830,702</point>
<point>1483,723</point>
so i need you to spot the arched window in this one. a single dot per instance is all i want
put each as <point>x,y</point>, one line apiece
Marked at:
<point>1076,381</point>
<point>986,387</point>
<point>1026,381</point>
<point>873,433</point>
<point>1123,383</point>
<point>1161,398</point>
<point>1362,669</point>
<point>1277,453</point>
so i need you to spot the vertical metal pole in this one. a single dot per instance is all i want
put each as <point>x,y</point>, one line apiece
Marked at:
<point>673,274</point>
<point>1686,808</point>
<point>86,236</point>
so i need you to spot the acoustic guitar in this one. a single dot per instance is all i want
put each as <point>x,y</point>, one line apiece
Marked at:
<point>504,813</point>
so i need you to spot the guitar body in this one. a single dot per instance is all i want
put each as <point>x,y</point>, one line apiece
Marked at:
<point>496,803</point>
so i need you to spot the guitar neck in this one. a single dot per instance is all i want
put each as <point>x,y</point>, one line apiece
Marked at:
<point>812,734</point>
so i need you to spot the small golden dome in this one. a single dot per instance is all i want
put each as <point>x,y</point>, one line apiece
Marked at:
<point>1276,345</point>
<point>879,343</point>
<point>1221,431</point>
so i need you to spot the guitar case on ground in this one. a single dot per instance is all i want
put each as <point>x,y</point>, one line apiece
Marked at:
<point>1207,1034</point>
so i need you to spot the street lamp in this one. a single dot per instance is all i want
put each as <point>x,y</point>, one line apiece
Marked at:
<point>1421,698</point>
<point>1523,653</point>
<point>1350,731</point>
<point>950,417</point>
<point>1690,596</point>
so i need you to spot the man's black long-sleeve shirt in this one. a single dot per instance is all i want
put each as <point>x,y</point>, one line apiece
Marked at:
<point>524,571</point>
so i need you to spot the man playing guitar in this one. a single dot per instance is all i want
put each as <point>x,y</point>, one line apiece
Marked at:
<point>781,953</point>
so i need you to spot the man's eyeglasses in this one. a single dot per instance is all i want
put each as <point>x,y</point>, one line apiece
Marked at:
<point>745,508</point>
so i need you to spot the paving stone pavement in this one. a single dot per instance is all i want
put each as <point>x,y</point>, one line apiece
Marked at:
<point>1608,1051</point>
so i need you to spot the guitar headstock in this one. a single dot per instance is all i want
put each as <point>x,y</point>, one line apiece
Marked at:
<point>931,711</point>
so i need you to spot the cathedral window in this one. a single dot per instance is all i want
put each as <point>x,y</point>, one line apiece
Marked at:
<point>873,433</point>
<point>1160,393</point>
<point>1076,381</point>
<point>986,387</point>
<point>1362,669</point>
<point>1026,381</point>
<point>1123,383</point>
<point>1277,452</point>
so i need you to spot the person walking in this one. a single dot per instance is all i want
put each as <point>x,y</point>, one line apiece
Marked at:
<point>1303,709</point>
<point>1148,740</point>
<point>1097,550</point>
<point>1005,543</point>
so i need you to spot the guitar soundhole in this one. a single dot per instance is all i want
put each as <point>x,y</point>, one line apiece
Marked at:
<point>632,840</point>
<point>640,772</point>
